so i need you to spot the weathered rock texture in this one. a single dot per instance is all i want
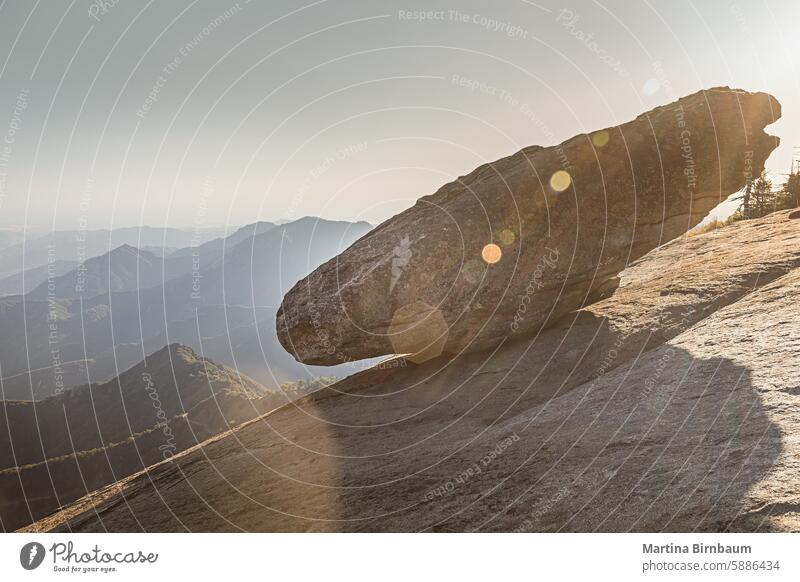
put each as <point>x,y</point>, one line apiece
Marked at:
<point>421,282</point>
<point>671,405</point>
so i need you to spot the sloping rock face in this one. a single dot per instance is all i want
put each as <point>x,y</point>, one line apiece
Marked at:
<point>56,450</point>
<point>521,241</point>
<point>671,405</point>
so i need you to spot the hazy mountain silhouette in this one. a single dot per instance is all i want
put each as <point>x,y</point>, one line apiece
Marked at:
<point>26,281</point>
<point>125,268</point>
<point>99,415</point>
<point>227,302</point>
<point>9,238</point>
<point>95,435</point>
<point>261,268</point>
<point>219,245</point>
<point>80,246</point>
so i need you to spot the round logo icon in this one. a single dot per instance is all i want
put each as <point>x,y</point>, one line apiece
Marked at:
<point>31,555</point>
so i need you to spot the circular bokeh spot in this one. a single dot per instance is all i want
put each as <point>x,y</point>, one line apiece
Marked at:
<point>560,181</point>
<point>418,330</point>
<point>491,253</point>
<point>507,237</point>
<point>600,138</point>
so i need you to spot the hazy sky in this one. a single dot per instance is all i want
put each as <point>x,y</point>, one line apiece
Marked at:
<point>123,112</point>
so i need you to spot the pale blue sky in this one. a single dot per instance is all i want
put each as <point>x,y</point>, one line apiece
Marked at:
<point>348,110</point>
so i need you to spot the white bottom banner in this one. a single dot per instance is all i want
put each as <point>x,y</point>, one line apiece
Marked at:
<point>372,557</point>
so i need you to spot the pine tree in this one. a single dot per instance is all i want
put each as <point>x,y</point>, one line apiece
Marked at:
<point>792,190</point>
<point>746,209</point>
<point>758,198</point>
<point>762,196</point>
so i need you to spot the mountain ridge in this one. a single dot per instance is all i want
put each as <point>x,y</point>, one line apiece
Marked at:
<point>97,434</point>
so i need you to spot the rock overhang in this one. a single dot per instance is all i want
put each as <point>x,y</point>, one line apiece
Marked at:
<point>519,242</point>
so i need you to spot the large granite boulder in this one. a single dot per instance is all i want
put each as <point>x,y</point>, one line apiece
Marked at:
<point>521,241</point>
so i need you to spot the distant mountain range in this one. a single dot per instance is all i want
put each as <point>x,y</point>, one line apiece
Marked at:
<point>125,268</point>
<point>219,245</point>
<point>9,237</point>
<point>58,449</point>
<point>23,282</point>
<point>220,298</point>
<point>80,246</point>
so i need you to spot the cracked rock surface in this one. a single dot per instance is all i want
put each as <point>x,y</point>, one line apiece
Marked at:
<point>524,240</point>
